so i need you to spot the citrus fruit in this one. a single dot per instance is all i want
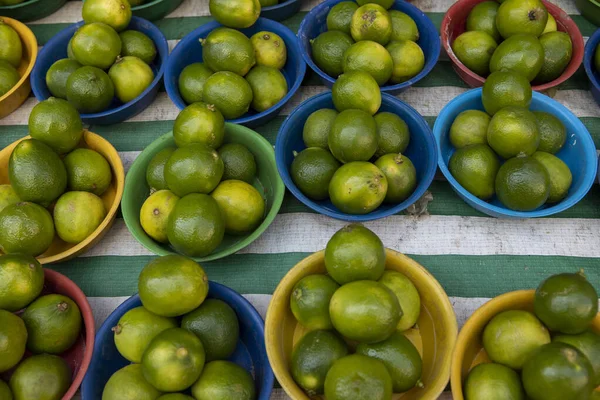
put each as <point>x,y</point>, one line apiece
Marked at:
<point>566,303</point>
<point>383,3</point>
<point>400,174</point>
<point>268,87</point>
<point>522,184</point>
<point>354,253</point>
<point>365,311</point>
<point>403,26</point>
<point>340,16</point>
<point>358,377</point>
<point>512,337</point>
<point>408,60</point>
<point>199,123</point>
<point>269,49</point>
<point>5,392</point>
<point>224,380</point>
<point>522,54</point>
<point>358,187</point>
<point>521,16</point>
<point>408,297</point>
<point>353,136</point>
<point>70,54</point>
<point>155,173</point>
<point>129,383</point>
<point>312,170</point>
<point>195,168</point>
<point>503,89</point>
<point>328,51</point>
<point>242,206</point>
<point>21,281</point>
<point>136,44</point>
<point>550,25</point>
<point>558,371</point>
<point>475,49</point>
<point>238,161</point>
<point>235,13</point>
<point>191,82</point>
<point>312,358</point>
<point>87,171</point>
<point>226,49</point>
<point>114,13</point>
<point>513,131</point>
<point>559,174</point>
<point>77,215</point>
<point>131,77</point>
<point>393,134</point>
<point>155,212</point>
<point>558,50</point>
<point>369,57</point>
<point>492,381</point>
<point>57,75</point>
<point>317,127</point>
<point>217,326</point>
<point>9,77</point>
<point>136,329</point>
<point>588,343</point>
<point>8,196</point>
<point>356,90</point>
<point>309,301</point>
<point>196,226</point>
<point>229,92</point>
<point>96,44</point>
<point>553,133</point>
<point>172,285</point>
<point>11,49</point>
<point>26,228</point>
<point>475,168</point>
<point>469,127</point>
<point>483,18</point>
<point>56,123</point>
<point>173,360</point>
<point>90,90</point>
<point>371,22</point>
<point>13,337</point>
<point>41,377</point>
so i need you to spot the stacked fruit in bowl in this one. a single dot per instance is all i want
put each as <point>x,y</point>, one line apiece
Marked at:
<point>592,64</point>
<point>11,53</point>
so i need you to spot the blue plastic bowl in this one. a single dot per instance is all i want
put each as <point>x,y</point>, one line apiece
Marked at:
<point>421,151</point>
<point>281,11</point>
<point>250,352</point>
<point>315,23</point>
<point>579,153</point>
<point>189,51</point>
<point>590,69</point>
<point>56,49</point>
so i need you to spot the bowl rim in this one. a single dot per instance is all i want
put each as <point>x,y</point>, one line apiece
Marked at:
<point>557,12</point>
<point>427,68</point>
<point>279,6</point>
<point>150,4</point>
<point>129,214</point>
<point>19,5</point>
<point>29,37</point>
<point>581,132</point>
<point>590,50</point>
<point>420,190</point>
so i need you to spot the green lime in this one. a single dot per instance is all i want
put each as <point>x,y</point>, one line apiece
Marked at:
<point>70,54</point>
<point>268,87</point>
<point>317,127</point>
<point>522,54</point>
<point>8,196</point>
<point>483,18</point>
<point>57,75</point>
<point>196,226</point>
<point>90,90</point>
<point>403,27</point>
<point>358,187</point>
<point>195,168</point>
<point>408,297</point>
<point>312,358</point>
<point>503,89</point>
<point>21,281</point>
<point>553,133</point>
<point>475,168</point>
<point>475,49</point>
<point>383,3</point>
<point>493,382</point>
<point>192,80</point>
<point>217,326</point>
<point>13,338</point>
<point>172,285</point>
<point>340,16</point>
<point>393,134</point>
<point>155,173</point>
<point>155,212</point>
<point>229,92</point>
<point>401,176</point>
<point>328,51</point>
<point>559,174</point>
<point>521,17</point>
<point>595,394</point>
<point>131,77</point>
<point>408,59</point>
<point>226,49</point>
<point>469,127</point>
<point>9,77</point>
<point>114,13</point>
<point>5,392</point>
<point>358,377</point>
<point>309,301</point>
<point>41,377</point>
<point>11,48</point>
<point>56,123</point>
<point>353,136</point>
<point>558,50</point>
<point>269,49</point>
<point>511,337</point>
<point>136,44</point>
<point>87,171</point>
<point>26,228</point>
<point>588,343</point>
<point>224,380</point>
<point>312,170</point>
<point>242,206</point>
<point>239,162</point>
<point>356,90</point>
<point>369,57</point>
<point>513,131</point>
<point>199,123</point>
<point>522,184</point>
<point>96,45</point>
<point>77,215</point>
<point>235,13</point>
<point>129,383</point>
<point>371,22</point>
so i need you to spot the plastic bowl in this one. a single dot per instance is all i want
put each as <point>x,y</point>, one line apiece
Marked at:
<point>590,69</point>
<point>56,49</point>
<point>469,350</point>
<point>421,151</point>
<point>60,251</point>
<point>189,51</point>
<point>590,9</point>
<point>13,99</point>
<point>315,23</point>
<point>155,9</point>
<point>30,10</point>
<point>454,23</point>
<point>284,10</point>
<point>267,183</point>
<point>435,336</point>
<point>250,352</point>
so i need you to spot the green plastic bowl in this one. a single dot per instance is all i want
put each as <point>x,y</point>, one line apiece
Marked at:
<point>590,9</point>
<point>31,10</point>
<point>268,183</point>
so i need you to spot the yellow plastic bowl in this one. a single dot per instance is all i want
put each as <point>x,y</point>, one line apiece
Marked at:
<point>435,336</point>
<point>18,94</point>
<point>60,251</point>
<point>469,350</point>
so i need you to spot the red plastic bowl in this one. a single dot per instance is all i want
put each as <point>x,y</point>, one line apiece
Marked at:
<point>454,23</point>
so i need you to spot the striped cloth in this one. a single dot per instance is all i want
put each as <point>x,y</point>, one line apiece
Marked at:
<point>474,257</point>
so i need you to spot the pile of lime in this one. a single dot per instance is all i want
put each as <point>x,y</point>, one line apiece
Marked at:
<point>202,189</point>
<point>178,341</point>
<point>340,144</point>
<point>46,325</point>
<point>516,35</point>
<point>549,354</point>
<point>531,175</point>
<point>11,54</point>
<point>98,47</point>
<point>55,184</point>
<point>370,38</point>
<point>357,307</point>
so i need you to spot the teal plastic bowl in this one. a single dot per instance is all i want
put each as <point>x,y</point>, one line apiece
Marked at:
<point>31,10</point>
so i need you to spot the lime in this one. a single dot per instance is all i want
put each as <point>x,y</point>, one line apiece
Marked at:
<point>115,13</point>
<point>475,49</point>
<point>26,228</point>
<point>155,212</point>
<point>403,27</point>
<point>312,170</point>
<point>11,48</point>
<point>155,173</point>
<point>224,380</point>
<point>136,329</point>
<point>408,60</point>
<point>559,174</point>
<point>129,383</point>
<point>269,49</point>
<point>588,343</point>
<point>199,123</point>
<point>475,168</point>
<point>5,392</point>
<point>469,127</point>
<point>550,25</point>
<point>340,16</point>
<point>328,51</point>
<point>70,54</point>
<point>172,285</point>
<point>521,17</point>
<point>87,171</point>
<point>566,303</point>
<point>136,44</point>
<point>239,162</point>
<point>371,22</point>
<point>268,87</point>
<point>522,184</point>
<point>558,50</point>
<point>356,90</point>
<point>309,301</point>
<point>317,127</point>
<point>392,132</point>
<point>483,18</point>
<point>522,54</point>
<point>358,377</point>
<point>8,196</point>
<point>90,90</point>
<point>235,13</point>
<point>9,77</point>
<point>96,44</point>
<point>503,89</point>
<point>353,136</point>
<point>229,92</point>
<point>192,80</point>
<point>217,326</point>
<point>511,337</point>
<point>595,395</point>
<point>513,131</point>
<point>553,133</point>
<point>56,123</point>
<point>131,77</point>
<point>242,206</point>
<point>195,168</point>
<point>21,281</point>
<point>226,49</point>
<point>77,215</point>
<point>57,75</point>
<point>41,377</point>
<point>383,3</point>
<point>408,297</point>
<point>401,176</point>
<point>13,337</point>
<point>369,57</point>
<point>358,187</point>
<point>493,382</point>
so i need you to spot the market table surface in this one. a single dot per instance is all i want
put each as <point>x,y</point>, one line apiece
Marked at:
<point>474,257</point>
